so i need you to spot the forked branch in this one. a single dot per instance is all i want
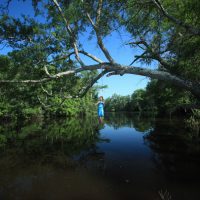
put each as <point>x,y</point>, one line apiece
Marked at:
<point>95,26</point>
<point>69,30</point>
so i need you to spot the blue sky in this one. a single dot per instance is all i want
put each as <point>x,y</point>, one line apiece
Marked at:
<point>123,54</point>
<point>115,43</point>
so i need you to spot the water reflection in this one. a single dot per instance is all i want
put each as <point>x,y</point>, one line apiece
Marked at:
<point>49,140</point>
<point>128,156</point>
<point>174,152</point>
<point>138,121</point>
<point>47,159</point>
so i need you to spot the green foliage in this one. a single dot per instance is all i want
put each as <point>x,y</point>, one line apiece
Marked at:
<point>140,121</point>
<point>117,103</point>
<point>34,44</point>
<point>180,48</point>
<point>45,136</point>
<point>23,100</point>
<point>193,123</point>
<point>28,112</point>
<point>168,98</point>
<point>138,101</point>
<point>3,140</point>
<point>5,109</point>
<point>158,97</point>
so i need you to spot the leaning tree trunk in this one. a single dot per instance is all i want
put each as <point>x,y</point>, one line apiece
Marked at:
<point>117,69</point>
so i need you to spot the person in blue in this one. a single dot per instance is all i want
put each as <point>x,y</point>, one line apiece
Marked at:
<point>100,108</point>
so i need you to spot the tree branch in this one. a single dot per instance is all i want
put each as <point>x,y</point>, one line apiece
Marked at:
<point>47,72</point>
<point>42,103</point>
<point>138,57</point>
<point>100,4</point>
<point>161,75</point>
<point>152,53</point>
<point>188,28</point>
<point>69,30</point>
<point>61,74</point>
<point>96,29</point>
<point>117,69</point>
<point>80,51</point>
<point>91,83</point>
<point>46,92</point>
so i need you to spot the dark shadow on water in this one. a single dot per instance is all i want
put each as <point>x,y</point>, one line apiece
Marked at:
<point>175,152</point>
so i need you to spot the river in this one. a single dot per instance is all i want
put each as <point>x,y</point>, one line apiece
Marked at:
<point>127,156</point>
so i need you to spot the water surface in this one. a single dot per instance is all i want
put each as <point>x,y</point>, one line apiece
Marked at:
<point>129,156</point>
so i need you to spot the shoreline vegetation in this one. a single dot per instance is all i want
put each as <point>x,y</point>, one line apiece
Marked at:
<point>44,70</point>
<point>49,73</point>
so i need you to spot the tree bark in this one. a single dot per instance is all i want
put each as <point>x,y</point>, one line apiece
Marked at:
<point>117,69</point>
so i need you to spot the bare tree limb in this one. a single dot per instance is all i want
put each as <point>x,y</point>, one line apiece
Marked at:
<point>100,4</point>
<point>117,69</point>
<point>91,56</point>
<point>80,51</point>
<point>138,42</point>
<point>60,75</point>
<point>27,81</point>
<point>137,58</point>
<point>46,92</point>
<point>150,53</point>
<point>47,72</point>
<point>161,75</point>
<point>69,30</point>
<point>91,83</point>
<point>96,29</point>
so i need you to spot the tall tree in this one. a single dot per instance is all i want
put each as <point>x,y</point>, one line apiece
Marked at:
<point>167,32</point>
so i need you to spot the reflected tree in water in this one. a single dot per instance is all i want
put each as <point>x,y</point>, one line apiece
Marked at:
<point>174,152</point>
<point>54,142</point>
<point>140,122</point>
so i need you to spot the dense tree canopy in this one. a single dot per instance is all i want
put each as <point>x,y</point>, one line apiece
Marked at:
<point>47,62</point>
<point>157,97</point>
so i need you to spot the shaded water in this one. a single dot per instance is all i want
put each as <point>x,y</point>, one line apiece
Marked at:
<point>127,157</point>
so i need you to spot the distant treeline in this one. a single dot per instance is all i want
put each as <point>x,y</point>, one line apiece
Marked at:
<point>158,97</point>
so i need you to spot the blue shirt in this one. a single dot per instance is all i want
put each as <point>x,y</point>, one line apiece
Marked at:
<point>100,109</point>
<point>100,105</point>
